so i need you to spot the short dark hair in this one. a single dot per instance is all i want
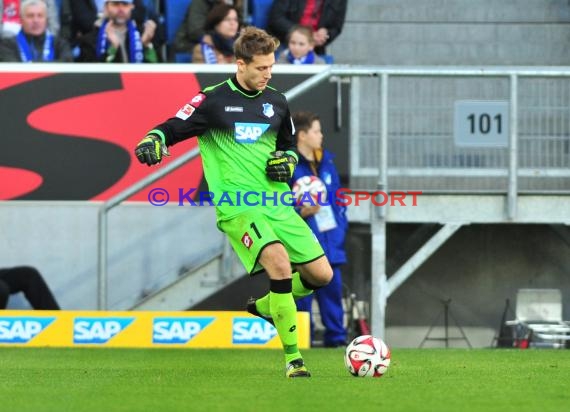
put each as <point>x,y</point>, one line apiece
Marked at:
<point>253,42</point>
<point>217,14</point>
<point>304,120</point>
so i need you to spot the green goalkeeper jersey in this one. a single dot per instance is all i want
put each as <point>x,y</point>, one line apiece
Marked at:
<point>237,130</point>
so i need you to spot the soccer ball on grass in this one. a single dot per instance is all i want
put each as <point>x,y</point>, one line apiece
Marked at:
<point>367,356</point>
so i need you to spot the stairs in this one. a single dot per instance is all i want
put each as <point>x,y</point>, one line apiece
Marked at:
<point>455,32</point>
<point>197,283</point>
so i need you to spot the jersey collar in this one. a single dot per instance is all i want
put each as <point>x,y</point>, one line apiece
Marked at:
<point>236,87</point>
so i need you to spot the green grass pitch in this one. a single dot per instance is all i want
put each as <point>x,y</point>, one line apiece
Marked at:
<point>46,379</point>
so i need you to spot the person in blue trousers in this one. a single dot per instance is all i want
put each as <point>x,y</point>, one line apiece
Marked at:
<point>317,174</point>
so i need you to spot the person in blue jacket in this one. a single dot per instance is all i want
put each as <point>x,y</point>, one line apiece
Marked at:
<point>326,218</point>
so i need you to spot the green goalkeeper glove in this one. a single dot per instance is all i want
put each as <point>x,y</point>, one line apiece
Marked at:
<point>281,166</point>
<point>150,150</point>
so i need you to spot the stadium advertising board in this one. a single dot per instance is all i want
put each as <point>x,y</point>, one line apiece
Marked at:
<point>74,127</point>
<point>190,329</point>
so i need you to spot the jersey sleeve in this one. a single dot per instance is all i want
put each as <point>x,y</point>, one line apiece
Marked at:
<point>190,120</point>
<point>286,140</point>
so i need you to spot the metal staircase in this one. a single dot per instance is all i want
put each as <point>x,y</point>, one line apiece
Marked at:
<point>195,284</point>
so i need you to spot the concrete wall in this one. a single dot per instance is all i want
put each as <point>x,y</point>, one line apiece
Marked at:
<point>148,247</point>
<point>455,32</point>
<point>479,268</point>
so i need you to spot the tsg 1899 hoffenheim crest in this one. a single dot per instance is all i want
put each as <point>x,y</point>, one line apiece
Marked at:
<point>268,110</point>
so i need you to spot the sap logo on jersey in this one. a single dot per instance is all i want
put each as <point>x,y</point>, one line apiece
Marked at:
<point>98,330</point>
<point>250,132</point>
<point>177,330</point>
<point>252,331</point>
<point>22,329</point>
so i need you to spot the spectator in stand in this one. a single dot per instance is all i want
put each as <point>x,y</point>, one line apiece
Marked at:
<point>301,47</point>
<point>87,15</point>
<point>65,19</point>
<point>34,42</point>
<point>118,39</point>
<point>192,29</point>
<point>28,280</point>
<point>217,45</point>
<point>10,11</point>
<point>325,17</point>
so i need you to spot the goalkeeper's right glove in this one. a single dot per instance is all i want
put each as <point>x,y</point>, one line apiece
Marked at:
<point>281,166</point>
<point>150,150</point>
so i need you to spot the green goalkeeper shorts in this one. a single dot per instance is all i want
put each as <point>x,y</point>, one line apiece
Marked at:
<point>250,231</point>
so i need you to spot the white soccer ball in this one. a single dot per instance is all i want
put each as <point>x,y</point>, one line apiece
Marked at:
<point>367,356</point>
<point>312,185</point>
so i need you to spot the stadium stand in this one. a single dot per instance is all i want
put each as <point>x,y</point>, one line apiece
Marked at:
<point>174,12</point>
<point>259,12</point>
<point>422,155</point>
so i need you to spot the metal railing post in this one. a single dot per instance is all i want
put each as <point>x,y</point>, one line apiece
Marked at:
<point>354,138</point>
<point>102,236</point>
<point>102,259</point>
<point>513,149</point>
<point>379,296</point>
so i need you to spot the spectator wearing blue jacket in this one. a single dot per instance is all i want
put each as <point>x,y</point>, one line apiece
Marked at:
<point>327,220</point>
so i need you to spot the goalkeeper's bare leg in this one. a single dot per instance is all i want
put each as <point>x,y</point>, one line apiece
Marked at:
<point>279,304</point>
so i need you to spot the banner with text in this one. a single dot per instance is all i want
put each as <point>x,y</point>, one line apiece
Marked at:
<point>193,329</point>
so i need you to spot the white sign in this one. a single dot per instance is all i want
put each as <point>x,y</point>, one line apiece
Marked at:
<point>481,123</point>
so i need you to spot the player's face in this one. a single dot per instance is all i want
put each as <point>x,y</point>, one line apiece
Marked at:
<point>118,12</point>
<point>256,74</point>
<point>299,45</point>
<point>34,20</point>
<point>313,137</point>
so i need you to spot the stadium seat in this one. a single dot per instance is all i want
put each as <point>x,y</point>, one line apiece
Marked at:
<point>183,57</point>
<point>174,14</point>
<point>151,5</point>
<point>539,318</point>
<point>259,12</point>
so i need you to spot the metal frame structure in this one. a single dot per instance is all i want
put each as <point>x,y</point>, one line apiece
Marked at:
<point>382,287</point>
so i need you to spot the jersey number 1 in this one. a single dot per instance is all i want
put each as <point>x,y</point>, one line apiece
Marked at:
<point>255,230</point>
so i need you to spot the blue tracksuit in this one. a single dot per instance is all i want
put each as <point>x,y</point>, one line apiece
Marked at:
<point>329,297</point>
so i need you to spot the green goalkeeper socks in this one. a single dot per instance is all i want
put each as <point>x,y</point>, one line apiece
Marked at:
<point>299,291</point>
<point>262,305</point>
<point>284,314</point>
<point>299,288</point>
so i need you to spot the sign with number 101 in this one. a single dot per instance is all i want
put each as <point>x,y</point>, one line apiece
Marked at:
<point>481,123</point>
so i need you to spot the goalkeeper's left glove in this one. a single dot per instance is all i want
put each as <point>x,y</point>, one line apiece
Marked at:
<point>150,150</point>
<point>281,166</point>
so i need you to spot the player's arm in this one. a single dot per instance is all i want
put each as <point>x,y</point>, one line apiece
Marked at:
<point>190,120</point>
<point>281,165</point>
<point>286,141</point>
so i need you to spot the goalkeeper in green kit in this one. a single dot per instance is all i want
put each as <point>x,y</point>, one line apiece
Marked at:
<point>246,139</point>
